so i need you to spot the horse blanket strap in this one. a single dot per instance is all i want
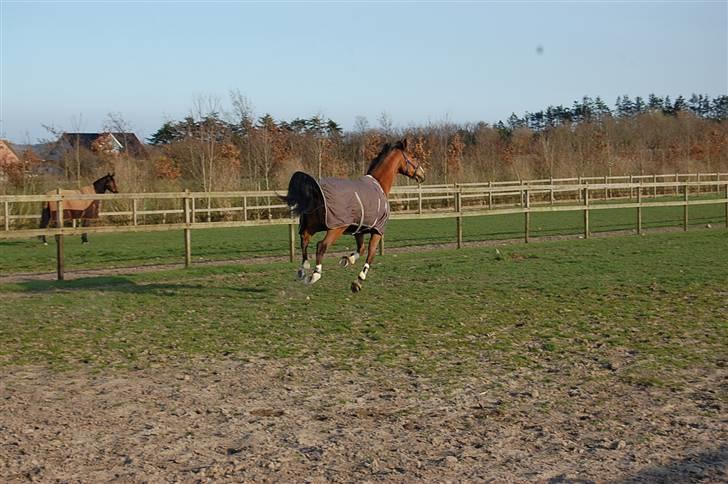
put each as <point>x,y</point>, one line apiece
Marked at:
<point>359,203</point>
<point>74,205</point>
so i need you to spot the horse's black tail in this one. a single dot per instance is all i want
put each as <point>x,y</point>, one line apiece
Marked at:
<point>304,195</point>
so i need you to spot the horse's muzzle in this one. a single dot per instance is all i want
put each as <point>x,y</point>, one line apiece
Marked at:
<point>419,175</point>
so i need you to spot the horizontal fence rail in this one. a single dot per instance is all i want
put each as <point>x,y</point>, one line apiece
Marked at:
<point>187,211</point>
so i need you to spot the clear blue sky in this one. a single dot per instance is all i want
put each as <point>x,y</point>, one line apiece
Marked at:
<point>419,62</point>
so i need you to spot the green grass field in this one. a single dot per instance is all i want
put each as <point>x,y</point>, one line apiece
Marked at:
<point>132,249</point>
<point>661,299</point>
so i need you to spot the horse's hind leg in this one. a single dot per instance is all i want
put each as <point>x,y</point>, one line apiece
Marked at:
<point>350,260</point>
<point>305,265</point>
<point>373,243</point>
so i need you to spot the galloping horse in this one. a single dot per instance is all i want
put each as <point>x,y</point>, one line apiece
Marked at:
<point>355,207</point>
<point>78,209</point>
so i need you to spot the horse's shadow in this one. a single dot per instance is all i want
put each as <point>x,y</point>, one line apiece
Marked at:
<point>127,285</point>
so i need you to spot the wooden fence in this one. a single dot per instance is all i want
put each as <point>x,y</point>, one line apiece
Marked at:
<point>202,210</point>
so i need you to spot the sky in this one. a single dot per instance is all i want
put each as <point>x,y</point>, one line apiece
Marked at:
<point>69,64</point>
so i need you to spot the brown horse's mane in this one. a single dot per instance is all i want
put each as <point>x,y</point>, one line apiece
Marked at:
<point>386,150</point>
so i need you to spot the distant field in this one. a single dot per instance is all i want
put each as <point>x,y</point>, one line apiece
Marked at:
<point>132,249</point>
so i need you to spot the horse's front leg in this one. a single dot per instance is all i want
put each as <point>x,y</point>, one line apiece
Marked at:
<point>321,248</point>
<point>305,265</point>
<point>84,236</point>
<point>350,260</point>
<point>373,243</point>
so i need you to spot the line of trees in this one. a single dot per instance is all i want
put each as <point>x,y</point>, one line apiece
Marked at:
<point>213,149</point>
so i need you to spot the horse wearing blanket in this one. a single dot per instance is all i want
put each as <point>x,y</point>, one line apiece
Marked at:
<point>78,209</point>
<point>356,207</point>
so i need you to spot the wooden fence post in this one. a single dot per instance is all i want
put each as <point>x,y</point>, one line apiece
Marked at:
<point>245,209</point>
<point>606,189</point>
<point>490,195</point>
<point>631,192</point>
<point>677,187</point>
<point>188,235</point>
<point>527,216</point>
<point>699,187</point>
<point>586,212</point>
<point>134,212</point>
<point>419,199</point>
<point>579,191</point>
<point>7,216</point>
<point>60,263</point>
<point>685,208</point>
<point>459,210</point>
<point>551,194</point>
<point>639,210</point>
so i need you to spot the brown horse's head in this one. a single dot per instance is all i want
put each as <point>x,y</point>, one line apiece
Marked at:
<point>407,167</point>
<point>106,184</point>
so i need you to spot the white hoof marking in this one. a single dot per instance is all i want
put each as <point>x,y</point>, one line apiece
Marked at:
<point>363,273</point>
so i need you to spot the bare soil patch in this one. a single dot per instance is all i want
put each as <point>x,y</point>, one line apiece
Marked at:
<point>310,421</point>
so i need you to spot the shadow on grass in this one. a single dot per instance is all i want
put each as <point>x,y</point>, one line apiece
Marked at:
<point>126,285</point>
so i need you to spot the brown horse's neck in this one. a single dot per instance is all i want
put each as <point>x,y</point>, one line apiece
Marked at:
<point>100,185</point>
<point>385,171</point>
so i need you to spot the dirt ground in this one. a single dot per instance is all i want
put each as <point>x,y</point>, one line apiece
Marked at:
<point>265,421</point>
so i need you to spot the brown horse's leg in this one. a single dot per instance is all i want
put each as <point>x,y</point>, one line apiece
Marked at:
<point>350,260</point>
<point>84,236</point>
<point>305,265</point>
<point>45,220</point>
<point>321,248</point>
<point>373,243</point>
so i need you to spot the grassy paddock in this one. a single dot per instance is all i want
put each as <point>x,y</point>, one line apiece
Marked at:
<point>130,249</point>
<point>660,300</point>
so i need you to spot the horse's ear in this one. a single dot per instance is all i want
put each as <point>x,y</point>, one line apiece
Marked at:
<point>403,143</point>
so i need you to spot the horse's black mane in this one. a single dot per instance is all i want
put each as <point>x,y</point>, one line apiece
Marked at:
<point>386,149</point>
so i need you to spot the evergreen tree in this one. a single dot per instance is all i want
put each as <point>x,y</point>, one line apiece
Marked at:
<point>679,105</point>
<point>164,135</point>
<point>719,108</point>
<point>654,103</point>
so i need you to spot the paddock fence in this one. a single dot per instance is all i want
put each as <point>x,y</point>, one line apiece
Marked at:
<point>188,211</point>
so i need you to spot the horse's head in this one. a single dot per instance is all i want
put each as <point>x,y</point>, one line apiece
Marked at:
<point>407,167</point>
<point>109,184</point>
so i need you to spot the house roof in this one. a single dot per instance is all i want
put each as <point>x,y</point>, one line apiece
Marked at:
<point>128,141</point>
<point>8,150</point>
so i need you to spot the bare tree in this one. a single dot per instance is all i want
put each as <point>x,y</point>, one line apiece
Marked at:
<point>77,124</point>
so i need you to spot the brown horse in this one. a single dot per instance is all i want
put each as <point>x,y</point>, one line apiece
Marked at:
<point>78,209</point>
<point>355,207</point>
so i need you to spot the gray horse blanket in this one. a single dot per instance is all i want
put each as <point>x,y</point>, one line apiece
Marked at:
<point>360,204</point>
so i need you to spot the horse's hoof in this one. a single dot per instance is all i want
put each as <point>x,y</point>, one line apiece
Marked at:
<point>45,243</point>
<point>355,286</point>
<point>301,275</point>
<point>314,278</point>
<point>344,261</point>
